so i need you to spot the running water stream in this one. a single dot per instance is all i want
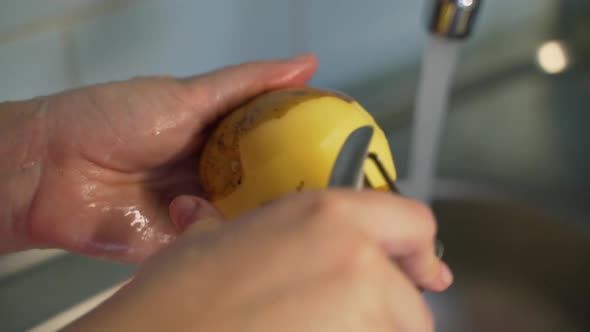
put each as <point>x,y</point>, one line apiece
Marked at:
<point>438,67</point>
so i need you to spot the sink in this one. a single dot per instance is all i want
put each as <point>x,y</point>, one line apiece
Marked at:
<point>516,269</point>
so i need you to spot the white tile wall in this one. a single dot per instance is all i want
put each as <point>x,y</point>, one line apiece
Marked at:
<point>182,37</point>
<point>353,39</point>
<point>32,66</point>
<point>357,39</point>
<point>17,13</point>
<point>508,15</point>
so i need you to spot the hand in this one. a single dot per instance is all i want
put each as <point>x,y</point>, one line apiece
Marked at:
<point>101,164</point>
<point>331,262</point>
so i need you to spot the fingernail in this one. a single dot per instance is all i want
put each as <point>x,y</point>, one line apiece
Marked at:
<point>446,275</point>
<point>188,210</point>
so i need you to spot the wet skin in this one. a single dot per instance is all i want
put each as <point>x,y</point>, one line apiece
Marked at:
<point>97,167</point>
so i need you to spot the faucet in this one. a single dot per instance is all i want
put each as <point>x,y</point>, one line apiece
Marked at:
<point>449,23</point>
<point>453,19</point>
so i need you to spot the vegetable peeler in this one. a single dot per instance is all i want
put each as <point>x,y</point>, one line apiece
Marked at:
<point>348,169</point>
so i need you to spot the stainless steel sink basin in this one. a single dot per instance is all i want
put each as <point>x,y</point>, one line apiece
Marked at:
<point>515,269</point>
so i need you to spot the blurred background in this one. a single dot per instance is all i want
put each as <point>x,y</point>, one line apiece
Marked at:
<point>511,192</point>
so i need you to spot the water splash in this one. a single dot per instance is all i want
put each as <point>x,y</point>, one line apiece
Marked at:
<point>147,234</point>
<point>27,165</point>
<point>431,108</point>
<point>139,222</point>
<point>164,238</point>
<point>88,192</point>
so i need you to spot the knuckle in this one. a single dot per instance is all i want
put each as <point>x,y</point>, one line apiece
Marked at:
<point>428,225</point>
<point>326,207</point>
<point>361,256</point>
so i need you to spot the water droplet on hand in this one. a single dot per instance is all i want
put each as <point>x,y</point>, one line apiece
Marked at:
<point>27,165</point>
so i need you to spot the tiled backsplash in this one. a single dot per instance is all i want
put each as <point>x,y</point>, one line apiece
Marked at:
<point>18,14</point>
<point>33,65</point>
<point>181,37</point>
<point>49,46</point>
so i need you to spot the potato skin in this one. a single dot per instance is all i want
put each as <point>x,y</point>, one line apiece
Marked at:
<point>282,141</point>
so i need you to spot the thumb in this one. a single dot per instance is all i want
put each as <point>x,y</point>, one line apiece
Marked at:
<point>188,210</point>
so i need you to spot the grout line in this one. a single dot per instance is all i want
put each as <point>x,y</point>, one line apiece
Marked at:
<point>68,18</point>
<point>72,56</point>
<point>300,12</point>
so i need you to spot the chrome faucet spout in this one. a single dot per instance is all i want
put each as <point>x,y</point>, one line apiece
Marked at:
<point>453,19</point>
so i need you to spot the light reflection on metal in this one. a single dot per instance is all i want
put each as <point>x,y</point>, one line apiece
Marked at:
<point>453,19</point>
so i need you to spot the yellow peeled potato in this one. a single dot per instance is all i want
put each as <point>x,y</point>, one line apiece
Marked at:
<point>281,142</point>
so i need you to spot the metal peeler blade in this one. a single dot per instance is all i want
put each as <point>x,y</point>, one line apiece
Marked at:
<point>348,168</point>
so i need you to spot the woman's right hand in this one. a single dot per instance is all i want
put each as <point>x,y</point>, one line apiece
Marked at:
<point>331,261</point>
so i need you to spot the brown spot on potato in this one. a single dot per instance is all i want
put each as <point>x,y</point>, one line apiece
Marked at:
<point>301,185</point>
